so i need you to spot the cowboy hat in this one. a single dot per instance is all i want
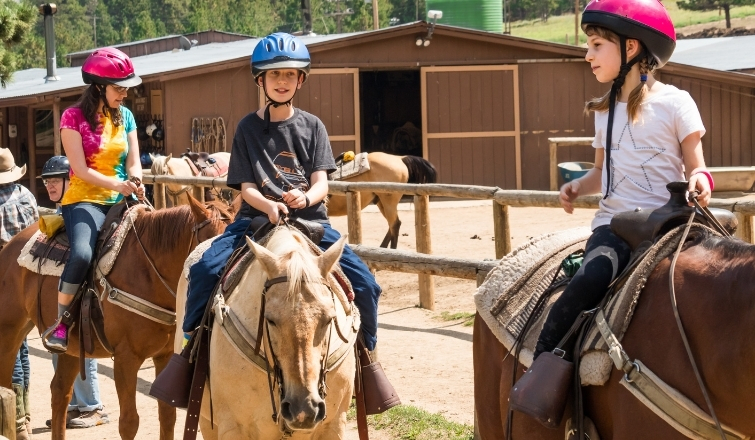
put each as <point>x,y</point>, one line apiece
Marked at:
<point>9,172</point>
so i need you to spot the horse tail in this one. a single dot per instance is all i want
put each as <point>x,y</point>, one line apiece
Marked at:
<point>420,170</point>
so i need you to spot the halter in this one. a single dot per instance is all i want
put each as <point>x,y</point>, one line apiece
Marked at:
<point>274,372</point>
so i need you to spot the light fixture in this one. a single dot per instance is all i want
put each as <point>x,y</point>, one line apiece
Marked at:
<point>434,16</point>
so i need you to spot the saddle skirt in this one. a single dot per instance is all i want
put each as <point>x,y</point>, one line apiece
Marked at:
<point>506,299</point>
<point>47,257</point>
<point>344,170</point>
<point>207,165</point>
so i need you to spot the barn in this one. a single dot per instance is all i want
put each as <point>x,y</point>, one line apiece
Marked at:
<point>479,105</point>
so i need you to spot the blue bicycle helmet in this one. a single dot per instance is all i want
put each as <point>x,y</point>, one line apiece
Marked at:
<point>280,51</point>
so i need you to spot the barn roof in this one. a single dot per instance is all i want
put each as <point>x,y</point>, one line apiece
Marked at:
<point>28,87</point>
<point>724,53</point>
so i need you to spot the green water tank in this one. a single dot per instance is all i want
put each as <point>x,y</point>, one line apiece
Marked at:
<point>485,15</point>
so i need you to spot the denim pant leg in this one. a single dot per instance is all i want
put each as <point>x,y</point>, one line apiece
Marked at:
<point>205,273</point>
<point>366,289</point>
<point>86,393</point>
<point>83,222</point>
<point>21,370</point>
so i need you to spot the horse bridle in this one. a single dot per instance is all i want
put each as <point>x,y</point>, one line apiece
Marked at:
<point>274,372</point>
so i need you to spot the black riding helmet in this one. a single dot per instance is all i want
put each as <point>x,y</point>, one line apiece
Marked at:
<point>56,166</point>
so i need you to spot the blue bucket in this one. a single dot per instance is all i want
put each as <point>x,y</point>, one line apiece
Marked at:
<point>574,170</point>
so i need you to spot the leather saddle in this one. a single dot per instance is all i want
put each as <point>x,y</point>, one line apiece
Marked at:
<point>204,164</point>
<point>644,226</point>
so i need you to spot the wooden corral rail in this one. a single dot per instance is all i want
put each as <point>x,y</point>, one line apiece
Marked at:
<point>427,266</point>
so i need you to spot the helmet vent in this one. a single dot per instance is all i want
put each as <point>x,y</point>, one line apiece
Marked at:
<point>280,44</point>
<point>269,47</point>
<point>293,45</point>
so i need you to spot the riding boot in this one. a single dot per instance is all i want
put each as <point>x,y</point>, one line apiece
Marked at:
<point>55,338</point>
<point>27,408</point>
<point>21,433</point>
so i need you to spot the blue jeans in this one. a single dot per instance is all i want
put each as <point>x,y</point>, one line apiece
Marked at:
<point>86,393</point>
<point>205,274</point>
<point>21,372</point>
<point>83,222</point>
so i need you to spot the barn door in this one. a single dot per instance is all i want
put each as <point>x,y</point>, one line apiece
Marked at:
<point>333,96</point>
<point>470,124</point>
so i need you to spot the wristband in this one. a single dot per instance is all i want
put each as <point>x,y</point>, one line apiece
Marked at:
<point>307,199</point>
<point>710,178</point>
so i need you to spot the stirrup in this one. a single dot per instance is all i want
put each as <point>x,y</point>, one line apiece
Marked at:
<point>58,349</point>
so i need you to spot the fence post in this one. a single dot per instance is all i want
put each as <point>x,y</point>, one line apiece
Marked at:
<point>502,228</point>
<point>424,245</point>
<point>198,193</point>
<point>158,195</point>
<point>7,413</point>
<point>354,216</point>
<point>744,229</point>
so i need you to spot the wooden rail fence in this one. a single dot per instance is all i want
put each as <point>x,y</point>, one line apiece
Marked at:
<point>420,262</point>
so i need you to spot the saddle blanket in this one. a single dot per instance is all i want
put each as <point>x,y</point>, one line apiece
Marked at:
<point>507,297</point>
<point>344,170</point>
<point>47,266</point>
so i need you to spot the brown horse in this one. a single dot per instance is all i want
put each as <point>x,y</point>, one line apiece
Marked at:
<point>714,279</point>
<point>167,236</point>
<point>387,168</point>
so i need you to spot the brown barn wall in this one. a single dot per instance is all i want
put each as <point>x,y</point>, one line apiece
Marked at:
<point>230,94</point>
<point>551,97</point>
<point>475,161</point>
<point>330,97</point>
<point>728,113</point>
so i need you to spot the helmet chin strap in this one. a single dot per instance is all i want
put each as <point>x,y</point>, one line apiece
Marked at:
<point>625,68</point>
<point>274,103</point>
<point>106,104</point>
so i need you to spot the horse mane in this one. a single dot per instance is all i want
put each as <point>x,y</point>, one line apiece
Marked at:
<point>159,165</point>
<point>726,247</point>
<point>300,264</point>
<point>162,228</point>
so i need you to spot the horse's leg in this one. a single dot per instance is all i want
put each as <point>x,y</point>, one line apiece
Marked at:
<point>388,206</point>
<point>10,343</point>
<point>208,431</point>
<point>126,367</point>
<point>165,412</point>
<point>61,389</point>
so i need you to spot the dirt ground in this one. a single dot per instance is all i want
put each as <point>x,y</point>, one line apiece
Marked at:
<point>428,360</point>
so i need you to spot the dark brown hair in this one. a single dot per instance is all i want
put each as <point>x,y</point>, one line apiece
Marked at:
<point>90,102</point>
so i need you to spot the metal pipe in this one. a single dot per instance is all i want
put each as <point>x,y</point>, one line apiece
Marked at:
<point>48,10</point>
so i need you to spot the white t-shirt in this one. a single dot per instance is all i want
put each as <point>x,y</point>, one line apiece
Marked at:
<point>645,155</point>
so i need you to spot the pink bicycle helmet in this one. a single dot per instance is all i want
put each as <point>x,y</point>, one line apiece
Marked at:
<point>644,20</point>
<point>109,66</point>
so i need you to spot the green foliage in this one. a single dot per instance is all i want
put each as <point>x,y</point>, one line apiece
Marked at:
<point>408,11</point>
<point>15,22</point>
<point>709,5</point>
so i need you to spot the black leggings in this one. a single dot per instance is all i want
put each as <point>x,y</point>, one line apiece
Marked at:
<point>606,255</point>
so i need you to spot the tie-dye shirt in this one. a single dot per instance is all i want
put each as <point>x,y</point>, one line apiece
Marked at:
<point>105,151</point>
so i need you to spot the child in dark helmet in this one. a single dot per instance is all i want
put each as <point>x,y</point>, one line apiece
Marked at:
<point>280,161</point>
<point>647,134</point>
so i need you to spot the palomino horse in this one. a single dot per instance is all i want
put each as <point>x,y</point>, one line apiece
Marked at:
<point>177,194</point>
<point>167,236</point>
<point>714,278</point>
<point>387,168</point>
<point>307,341</point>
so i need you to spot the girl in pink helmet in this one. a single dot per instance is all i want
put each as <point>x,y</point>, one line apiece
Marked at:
<point>647,134</point>
<point>99,137</point>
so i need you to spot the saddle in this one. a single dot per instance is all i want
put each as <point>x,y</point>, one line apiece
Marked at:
<point>206,164</point>
<point>641,227</point>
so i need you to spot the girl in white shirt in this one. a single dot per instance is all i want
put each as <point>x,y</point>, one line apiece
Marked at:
<point>654,133</point>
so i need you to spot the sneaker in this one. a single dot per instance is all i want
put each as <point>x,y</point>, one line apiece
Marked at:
<point>70,415</point>
<point>89,419</point>
<point>55,338</point>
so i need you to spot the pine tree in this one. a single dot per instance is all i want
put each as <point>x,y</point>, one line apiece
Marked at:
<point>15,22</point>
<point>707,5</point>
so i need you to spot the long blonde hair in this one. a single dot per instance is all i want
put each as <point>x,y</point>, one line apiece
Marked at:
<point>636,96</point>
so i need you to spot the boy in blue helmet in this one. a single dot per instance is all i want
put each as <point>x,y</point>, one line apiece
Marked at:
<point>280,160</point>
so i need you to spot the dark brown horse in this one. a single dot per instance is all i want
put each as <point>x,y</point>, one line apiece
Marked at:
<point>167,235</point>
<point>714,281</point>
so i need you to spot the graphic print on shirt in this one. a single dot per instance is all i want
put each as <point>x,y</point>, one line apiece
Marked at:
<point>641,180</point>
<point>289,175</point>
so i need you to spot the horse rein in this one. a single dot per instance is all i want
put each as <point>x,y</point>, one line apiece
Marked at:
<point>672,292</point>
<point>274,372</point>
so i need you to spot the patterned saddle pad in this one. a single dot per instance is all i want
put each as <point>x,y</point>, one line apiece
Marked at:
<point>507,297</point>
<point>344,170</point>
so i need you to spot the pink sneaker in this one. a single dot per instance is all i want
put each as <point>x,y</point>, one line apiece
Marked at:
<point>55,338</point>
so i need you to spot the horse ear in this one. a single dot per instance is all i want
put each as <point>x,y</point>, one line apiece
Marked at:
<point>268,259</point>
<point>329,258</point>
<point>169,157</point>
<point>198,209</point>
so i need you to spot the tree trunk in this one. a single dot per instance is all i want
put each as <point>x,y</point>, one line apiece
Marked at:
<point>728,16</point>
